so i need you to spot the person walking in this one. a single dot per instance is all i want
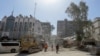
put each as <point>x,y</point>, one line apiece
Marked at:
<point>45,47</point>
<point>57,48</point>
<point>52,47</point>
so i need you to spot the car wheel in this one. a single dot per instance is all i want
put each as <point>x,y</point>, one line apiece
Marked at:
<point>13,50</point>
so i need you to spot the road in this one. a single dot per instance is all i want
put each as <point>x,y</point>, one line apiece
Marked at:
<point>62,52</point>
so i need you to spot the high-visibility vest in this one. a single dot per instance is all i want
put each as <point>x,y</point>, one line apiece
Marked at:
<point>46,46</point>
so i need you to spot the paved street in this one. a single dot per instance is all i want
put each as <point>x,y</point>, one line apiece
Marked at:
<point>62,52</point>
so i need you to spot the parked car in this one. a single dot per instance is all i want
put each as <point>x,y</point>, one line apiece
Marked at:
<point>9,47</point>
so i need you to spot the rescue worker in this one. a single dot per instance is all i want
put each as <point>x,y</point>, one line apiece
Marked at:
<point>45,47</point>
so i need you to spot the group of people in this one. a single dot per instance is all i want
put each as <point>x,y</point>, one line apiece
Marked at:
<point>52,47</point>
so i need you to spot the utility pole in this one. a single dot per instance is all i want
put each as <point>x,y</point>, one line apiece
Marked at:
<point>35,9</point>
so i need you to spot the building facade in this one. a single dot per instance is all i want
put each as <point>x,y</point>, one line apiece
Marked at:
<point>65,28</point>
<point>96,24</point>
<point>16,27</point>
<point>46,27</point>
<point>61,26</point>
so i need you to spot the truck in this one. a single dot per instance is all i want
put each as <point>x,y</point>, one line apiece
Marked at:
<point>29,44</point>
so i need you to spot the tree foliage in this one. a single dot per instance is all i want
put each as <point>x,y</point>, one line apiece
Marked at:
<point>79,15</point>
<point>73,11</point>
<point>84,10</point>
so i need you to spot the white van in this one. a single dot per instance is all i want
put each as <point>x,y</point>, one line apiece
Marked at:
<point>9,47</point>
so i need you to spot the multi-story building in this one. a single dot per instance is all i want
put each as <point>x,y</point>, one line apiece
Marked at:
<point>16,27</point>
<point>65,28</point>
<point>0,27</point>
<point>61,26</point>
<point>46,27</point>
<point>97,29</point>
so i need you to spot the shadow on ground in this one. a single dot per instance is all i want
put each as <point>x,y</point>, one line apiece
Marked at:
<point>5,53</point>
<point>24,54</point>
<point>95,55</point>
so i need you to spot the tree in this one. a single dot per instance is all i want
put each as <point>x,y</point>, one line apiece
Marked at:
<point>73,11</point>
<point>84,10</point>
<point>52,27</point>
<point>89,29</point>
<point>79,15</point>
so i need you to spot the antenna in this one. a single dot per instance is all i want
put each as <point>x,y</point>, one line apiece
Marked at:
<point>35,9</point>
<point>12,12</point>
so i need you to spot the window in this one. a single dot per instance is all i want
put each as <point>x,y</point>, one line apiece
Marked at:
<point>33,24</point>
<point>30,24</point>
<point>3,23</point>
<point>10,44</point>
<point>20,26</point>
<point>39,29</point>
<point>9,24</point>
<point>15,28</point>
<point>25,27</point>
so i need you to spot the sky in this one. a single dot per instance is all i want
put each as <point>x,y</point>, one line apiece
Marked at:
<point>46,10</point>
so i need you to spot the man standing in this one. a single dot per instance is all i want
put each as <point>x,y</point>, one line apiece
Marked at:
<point>52,47</point>
<point>57,48</point>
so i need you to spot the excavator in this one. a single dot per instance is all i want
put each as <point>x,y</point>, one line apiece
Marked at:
<point>29,44</point>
